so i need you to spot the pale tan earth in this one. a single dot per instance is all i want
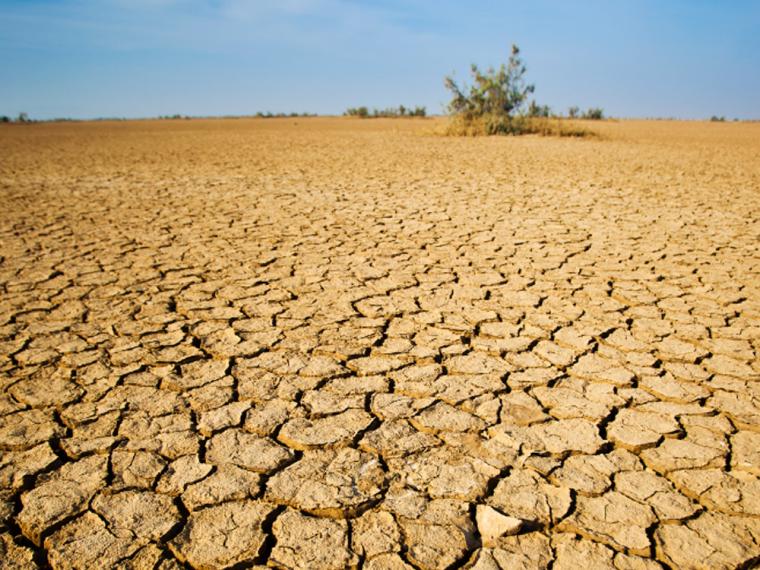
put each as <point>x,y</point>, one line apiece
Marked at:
<point>333,343</point>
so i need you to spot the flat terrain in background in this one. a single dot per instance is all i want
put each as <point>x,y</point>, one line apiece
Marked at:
<point>329,343</point>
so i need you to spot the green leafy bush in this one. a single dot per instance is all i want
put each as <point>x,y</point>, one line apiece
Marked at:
<point>495,104</point>
<point>501,93</point>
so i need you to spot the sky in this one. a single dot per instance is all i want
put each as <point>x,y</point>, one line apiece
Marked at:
<point>143,58</point>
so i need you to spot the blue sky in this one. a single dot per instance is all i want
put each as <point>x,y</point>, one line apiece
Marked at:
<point>137,58</point>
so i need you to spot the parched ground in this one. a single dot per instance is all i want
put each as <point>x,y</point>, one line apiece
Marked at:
<point>333,343</point>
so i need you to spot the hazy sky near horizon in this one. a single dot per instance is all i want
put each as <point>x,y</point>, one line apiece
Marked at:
<point>139,58</point>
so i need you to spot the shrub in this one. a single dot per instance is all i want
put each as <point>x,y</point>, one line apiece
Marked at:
<point>5,119</point>
<point>518,125</point>
<point>536,110</point>
<point>717,119</point>
<point>495,104</point>
<point>392,112</point>
<point>292,114</point>
<point>499,94</point>
<point>573,112</point>
<point>594,114</point>
<point>384,113</point>
<point>362,112</point>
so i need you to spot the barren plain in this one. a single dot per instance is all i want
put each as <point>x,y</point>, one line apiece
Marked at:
<point>332,343</point>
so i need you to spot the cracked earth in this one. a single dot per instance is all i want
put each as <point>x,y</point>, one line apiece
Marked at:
<point>333,343</point>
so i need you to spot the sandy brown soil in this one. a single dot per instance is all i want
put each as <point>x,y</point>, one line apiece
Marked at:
<point>333,343</point>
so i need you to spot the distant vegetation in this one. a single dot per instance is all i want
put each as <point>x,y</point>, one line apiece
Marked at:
<point>21,118</point>
<point>594,114</point>
<point>717,119</point>
<point>497,104</point>
<point>390,112</point>
<point>536,110</point>
<point>268,115</point>
<point>259,115</point>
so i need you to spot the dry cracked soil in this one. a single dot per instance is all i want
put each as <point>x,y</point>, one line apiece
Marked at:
<point>333,343</point>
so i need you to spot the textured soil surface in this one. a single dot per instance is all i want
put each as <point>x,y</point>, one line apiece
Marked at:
<point>332,343</point>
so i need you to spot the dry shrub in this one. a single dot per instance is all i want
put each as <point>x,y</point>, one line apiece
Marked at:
<point>494,104</point>
<point>499,124</point>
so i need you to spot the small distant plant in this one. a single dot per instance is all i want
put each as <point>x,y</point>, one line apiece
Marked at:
<point>22,118</point>
<point>361,112</point>
<point>594,114</point>
<point>390,112</point>
<point>573,112</point>
<point>402,111</point>
<point>717,119</point>
<point>536,110</point>
<point>270,115</point>
<point>5,119</point>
